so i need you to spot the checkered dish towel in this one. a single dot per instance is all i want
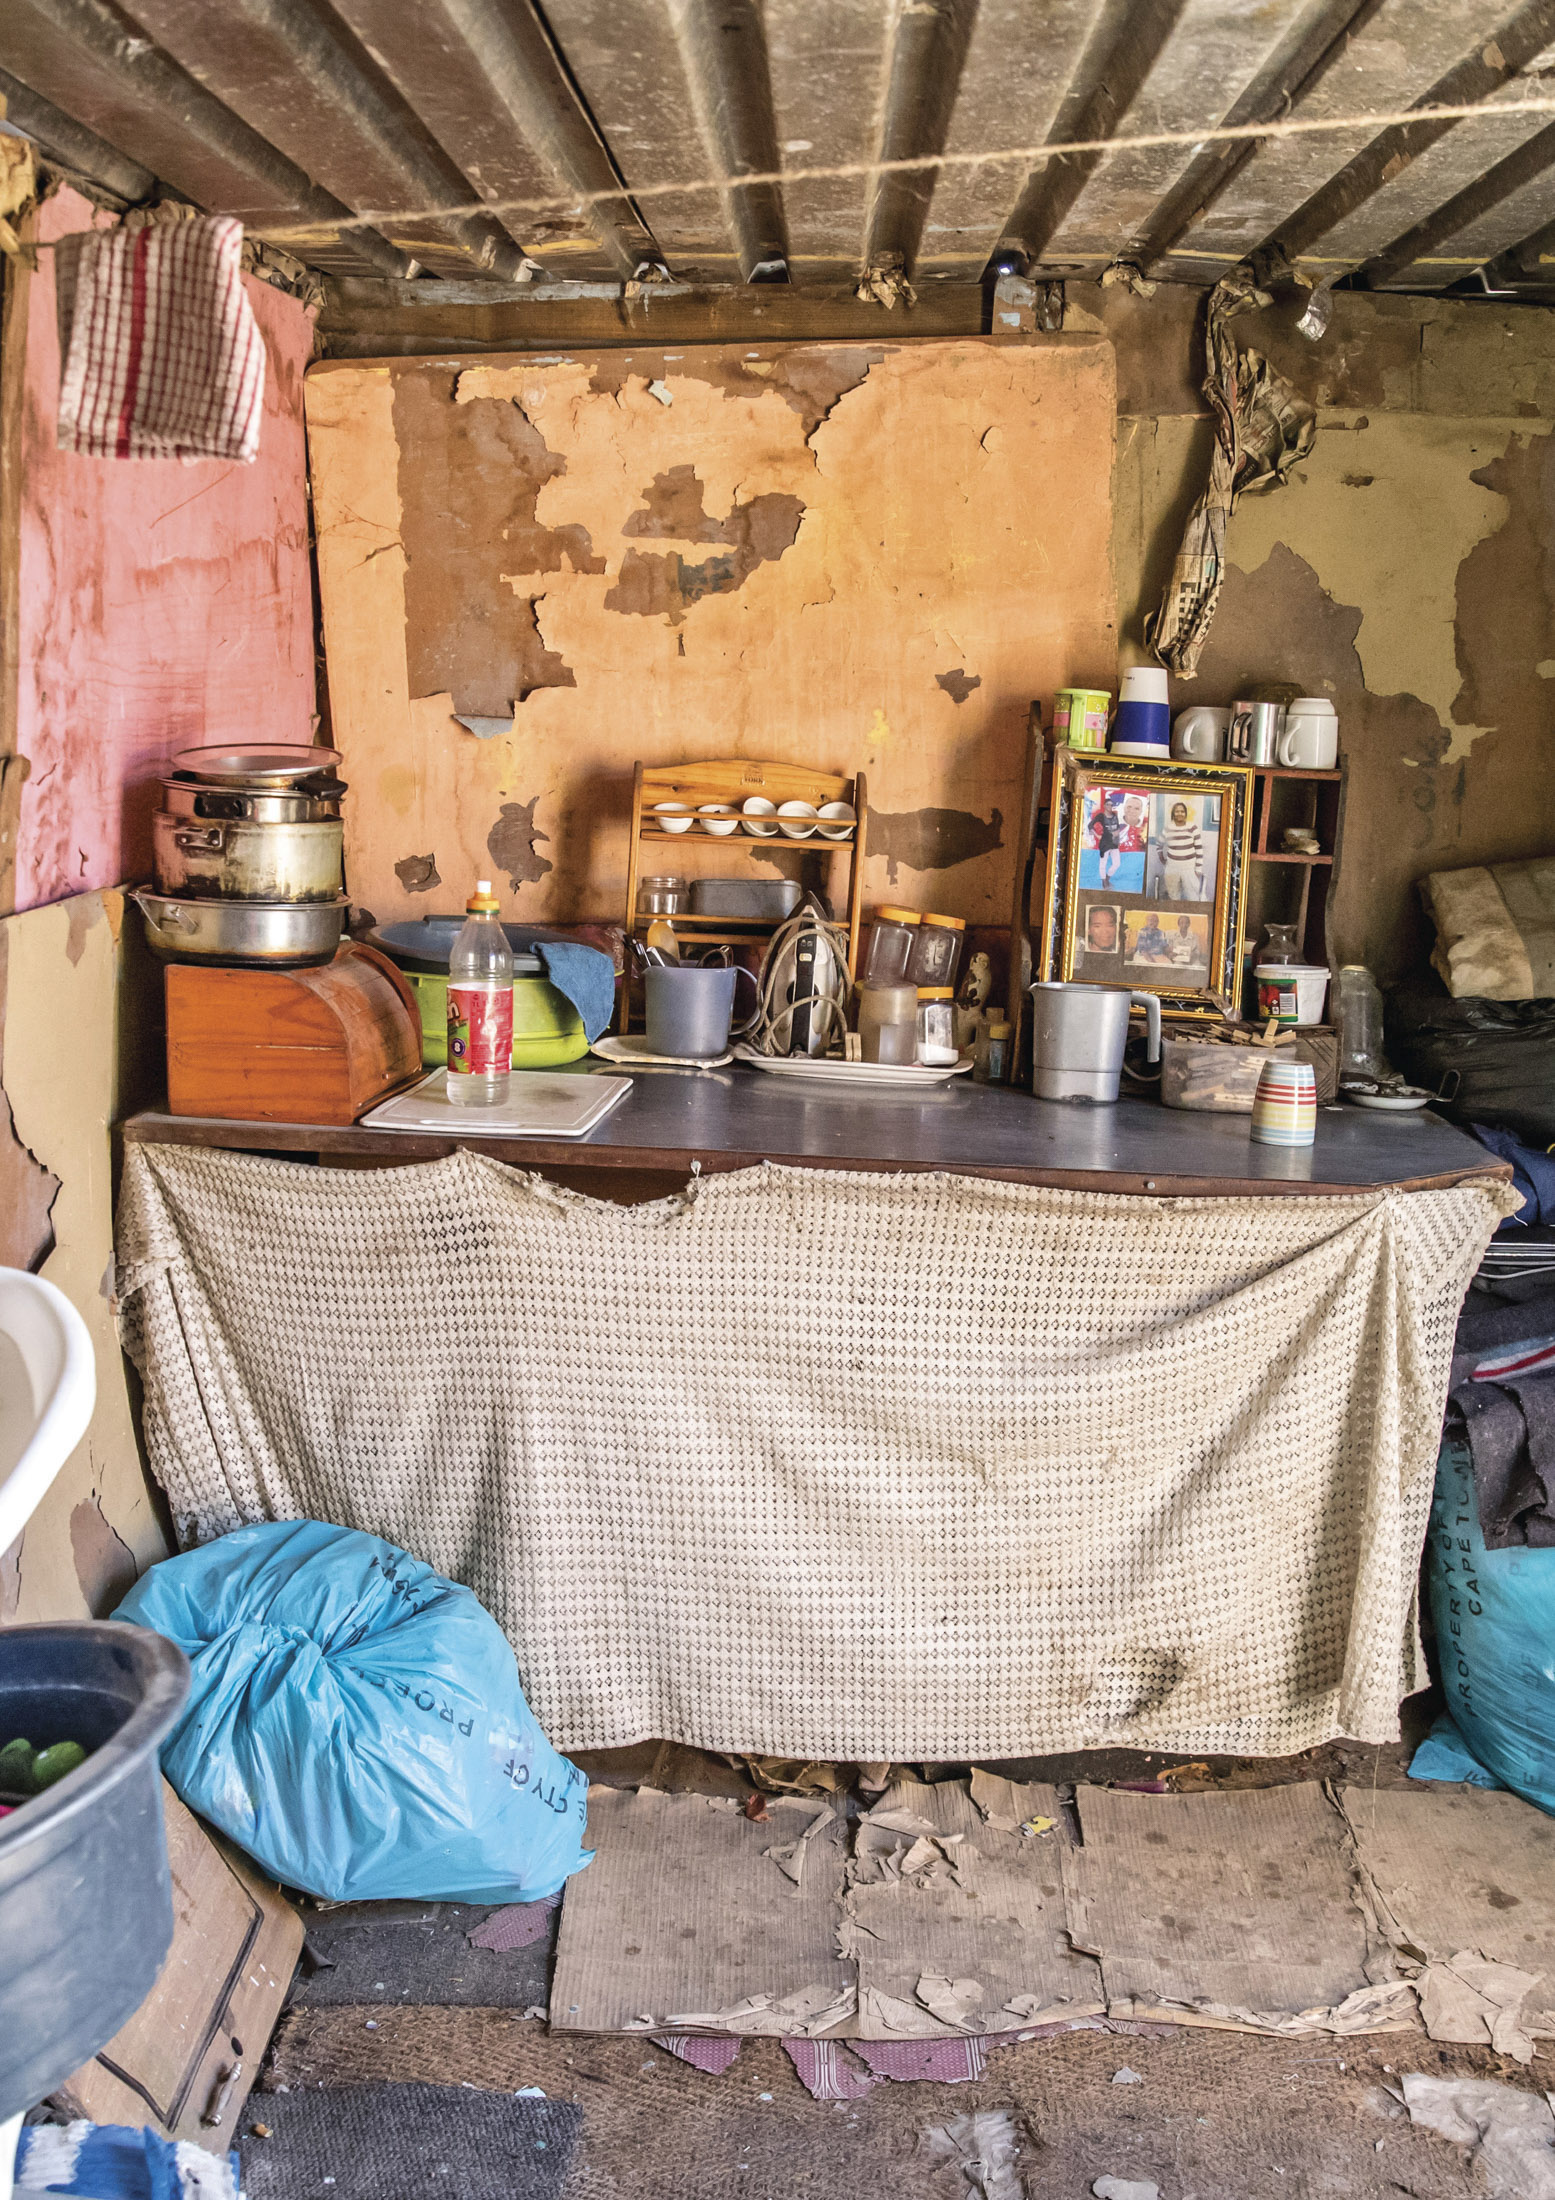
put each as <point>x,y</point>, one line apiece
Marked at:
<point>163,357</point>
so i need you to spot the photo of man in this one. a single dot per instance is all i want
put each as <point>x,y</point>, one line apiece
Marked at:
<point>1188,942</point>
<point>1101,929</point>
<point>1147,942</point>
<point>1183,861</point>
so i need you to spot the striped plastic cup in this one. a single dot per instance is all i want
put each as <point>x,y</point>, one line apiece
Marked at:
<point>1285,1105</point>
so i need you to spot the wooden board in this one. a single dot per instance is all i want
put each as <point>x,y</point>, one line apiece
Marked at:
<point>236,1941</point>
<point>733,1119</point>
<point>841,557</point>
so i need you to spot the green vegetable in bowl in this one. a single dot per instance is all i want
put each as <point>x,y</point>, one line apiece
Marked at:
<point>53,1763</point>
<point>16,1767</point>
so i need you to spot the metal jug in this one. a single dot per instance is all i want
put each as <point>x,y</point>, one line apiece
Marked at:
<point>1078,1034</point>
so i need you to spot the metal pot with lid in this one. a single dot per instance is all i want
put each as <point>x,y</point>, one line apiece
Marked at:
<point>238,859</point>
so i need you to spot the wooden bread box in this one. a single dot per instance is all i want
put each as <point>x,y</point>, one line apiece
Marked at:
<point>290,1046</point>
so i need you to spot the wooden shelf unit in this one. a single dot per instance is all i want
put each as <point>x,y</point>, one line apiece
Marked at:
<point>1318,803</point>
<point>734,780</point>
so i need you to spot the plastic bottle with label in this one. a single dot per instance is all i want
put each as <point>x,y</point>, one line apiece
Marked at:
<point>480,1006</point>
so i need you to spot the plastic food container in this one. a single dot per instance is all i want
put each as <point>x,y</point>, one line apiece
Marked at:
<point>1294,992</point>
<point>1214,1079</point>
<point>890,945</point>
<point>888,1024</point>
<point>936,950</point>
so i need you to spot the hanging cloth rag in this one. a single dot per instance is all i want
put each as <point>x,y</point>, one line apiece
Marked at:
<point>1262,427</point>
<point>162,355</point>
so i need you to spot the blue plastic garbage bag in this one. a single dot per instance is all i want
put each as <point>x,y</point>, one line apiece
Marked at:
<point>355,1722</point>
<point>120,2162</point>
<point>1495,1633</point>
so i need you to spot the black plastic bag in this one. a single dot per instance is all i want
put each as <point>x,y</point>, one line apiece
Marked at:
<point>1487,1061</point>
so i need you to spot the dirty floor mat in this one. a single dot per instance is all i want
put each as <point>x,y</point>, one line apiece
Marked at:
<point>416,1953</point>
<point>1211,2114</point>
<point>390,2142</point>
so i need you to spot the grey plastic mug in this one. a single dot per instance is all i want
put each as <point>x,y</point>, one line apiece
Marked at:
<point>689,1009</point>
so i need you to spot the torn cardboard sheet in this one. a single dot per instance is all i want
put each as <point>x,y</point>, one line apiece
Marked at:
<point>957,1922</point>
<point>982,2152</point>
<point>1462,1882</point>
<point>1510,2133</point>
<point>689,1925</point>
<point>1241,1907</point>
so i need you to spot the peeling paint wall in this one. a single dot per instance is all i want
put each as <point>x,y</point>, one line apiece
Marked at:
<point>855,556</point>
<point>1407,570</point>
<point>62,1070</point>
<point>156,605</point>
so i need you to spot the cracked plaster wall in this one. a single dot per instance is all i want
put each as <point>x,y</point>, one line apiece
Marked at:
<point>71,981</point>
<point>847,555</point>
<point>1407,570</point>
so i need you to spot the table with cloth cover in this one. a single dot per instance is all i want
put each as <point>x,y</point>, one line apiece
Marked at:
<point>843,1462</point>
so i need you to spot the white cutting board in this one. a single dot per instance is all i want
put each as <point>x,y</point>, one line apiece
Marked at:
<point>538,1105</point>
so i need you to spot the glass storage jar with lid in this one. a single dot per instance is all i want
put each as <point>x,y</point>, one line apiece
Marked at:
<point>937,1047</point>
<point>936,950</point>
<point>890,945</point>
<point>662,897</point>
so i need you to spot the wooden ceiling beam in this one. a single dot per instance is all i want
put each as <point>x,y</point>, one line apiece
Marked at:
<point>1530,160</point>
<point>489,83</point>
<point>86,59</point>
<point>923,68</point>
<point>70,145</point>
<point>723,51</point>
<point>1506,49</point>
<point>296,76</point>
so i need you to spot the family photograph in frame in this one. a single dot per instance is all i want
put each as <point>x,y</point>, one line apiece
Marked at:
<point>1145,877</point>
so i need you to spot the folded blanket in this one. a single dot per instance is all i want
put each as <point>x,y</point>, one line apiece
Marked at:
<point>163,357</point>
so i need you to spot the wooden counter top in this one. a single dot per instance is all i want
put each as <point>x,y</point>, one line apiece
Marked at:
<point>732,1118</point>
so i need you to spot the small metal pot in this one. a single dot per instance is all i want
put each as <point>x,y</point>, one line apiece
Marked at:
<point>275,935</point>
<point>237,860</point>
<point>310,804</point>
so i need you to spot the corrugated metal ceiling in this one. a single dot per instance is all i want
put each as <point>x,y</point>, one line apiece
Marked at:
<point>496,141</point>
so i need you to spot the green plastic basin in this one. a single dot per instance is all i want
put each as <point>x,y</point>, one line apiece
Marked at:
<point>547,1029</point>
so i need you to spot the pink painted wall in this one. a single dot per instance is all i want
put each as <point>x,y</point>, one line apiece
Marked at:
<point>161,605</point>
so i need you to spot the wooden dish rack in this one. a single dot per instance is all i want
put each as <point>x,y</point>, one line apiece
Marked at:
<point>733,781</point>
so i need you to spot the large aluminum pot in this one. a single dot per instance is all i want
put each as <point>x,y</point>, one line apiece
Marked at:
<point>238,860</point>
<point>308,803</point>
<point>274,935</point>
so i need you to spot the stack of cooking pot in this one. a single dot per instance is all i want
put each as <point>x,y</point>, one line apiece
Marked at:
<point>247,852</point>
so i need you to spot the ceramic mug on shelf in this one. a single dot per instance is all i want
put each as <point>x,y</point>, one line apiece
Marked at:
<point>1309,739</point>
<point>1199,734</point>
<point>1255,732</point>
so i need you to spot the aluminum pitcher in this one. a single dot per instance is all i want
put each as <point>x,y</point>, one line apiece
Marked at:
<point>1078,1034</point>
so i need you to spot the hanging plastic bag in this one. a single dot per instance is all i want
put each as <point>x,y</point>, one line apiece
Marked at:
<point>1495,1632</point>
<point>355,1722</point>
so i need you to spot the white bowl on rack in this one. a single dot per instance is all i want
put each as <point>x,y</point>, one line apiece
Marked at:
<point>759,816</point>
<point>718,819</point>
<point>837,820</point>
<point>674,817</point>
<point>797,820</point>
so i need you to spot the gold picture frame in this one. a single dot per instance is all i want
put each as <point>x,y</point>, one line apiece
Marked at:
<point>1146,878</point>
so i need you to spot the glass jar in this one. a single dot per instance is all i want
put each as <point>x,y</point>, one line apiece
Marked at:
<point>936,950</point>
<point>990,1063</point>
<point>1279,944</point>
<point>1358,1012</point>
<point>937,1027</point>
<point>888,1024</point>
<point>890,945</point>
<point>661,897</point>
